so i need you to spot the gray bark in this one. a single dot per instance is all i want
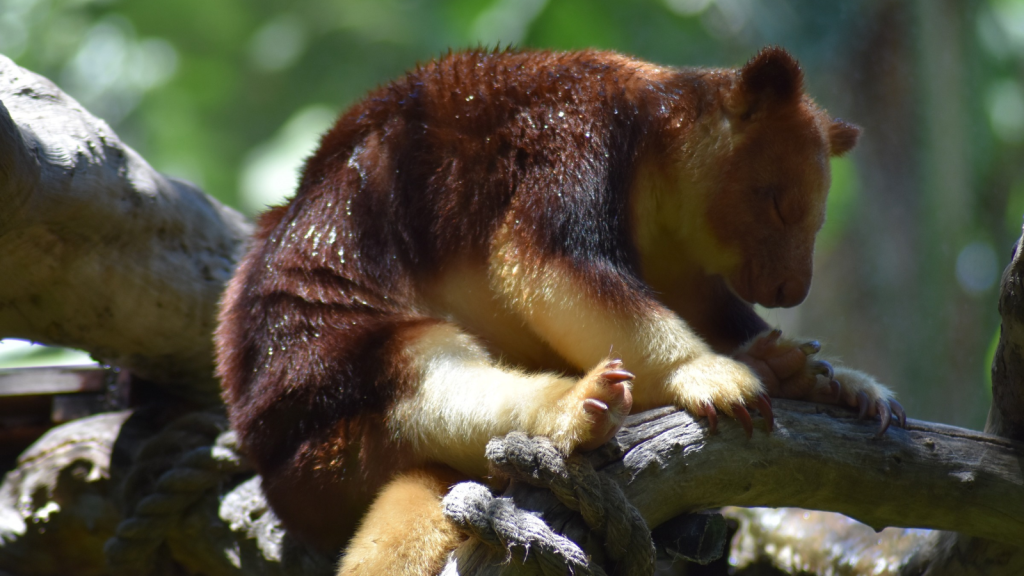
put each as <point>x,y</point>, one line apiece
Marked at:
<point>928,476</point>
<point>101,252</point>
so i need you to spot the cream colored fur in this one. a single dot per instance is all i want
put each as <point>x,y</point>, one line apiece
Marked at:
<point>404,532</point>
<point>463,398</point>
<point>854,381</point>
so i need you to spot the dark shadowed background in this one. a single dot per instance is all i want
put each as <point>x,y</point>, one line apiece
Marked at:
<point>233,94</point>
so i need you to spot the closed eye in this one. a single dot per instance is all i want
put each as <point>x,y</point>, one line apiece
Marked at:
<point>778,209</point>
<point>771,194</point>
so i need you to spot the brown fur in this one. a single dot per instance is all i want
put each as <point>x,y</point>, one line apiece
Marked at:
<point>489,211</point>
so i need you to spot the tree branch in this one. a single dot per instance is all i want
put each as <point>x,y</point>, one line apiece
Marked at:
<point>822,458</point>
<point>101,252</point>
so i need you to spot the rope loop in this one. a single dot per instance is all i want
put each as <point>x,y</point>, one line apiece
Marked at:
<point>172,471</point>
<point>573,480</point>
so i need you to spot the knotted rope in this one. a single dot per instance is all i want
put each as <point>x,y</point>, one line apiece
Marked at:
<point>498,523</point>
<point>173,470</point>
<point>598,499</point>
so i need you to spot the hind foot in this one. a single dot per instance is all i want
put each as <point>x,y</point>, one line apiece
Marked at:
<point>789,370</point>
<point>593,410</point>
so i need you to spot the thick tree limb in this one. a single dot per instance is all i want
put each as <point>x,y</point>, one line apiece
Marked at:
<point>929,476</point>
<point>824,462</point>
<point>98,250</point>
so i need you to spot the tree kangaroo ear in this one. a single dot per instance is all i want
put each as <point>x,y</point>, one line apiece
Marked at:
<point>772,77</point>
<point>842,137</point>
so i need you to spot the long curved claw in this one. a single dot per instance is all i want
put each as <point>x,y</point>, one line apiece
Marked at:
<point>712,414</point>
<point>812,347</point>
<point>862,405</point>
<point>743,416</point>
<point>901,416</point>
<point>595,406</point>
<point>886,416</point>
<point>764,404</point>
<point>614,376</point>
<point>837,389</point>
<point>824,368</point>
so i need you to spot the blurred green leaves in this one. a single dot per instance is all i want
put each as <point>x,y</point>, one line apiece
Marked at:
<point>842,204</point>
<point>201,88</point>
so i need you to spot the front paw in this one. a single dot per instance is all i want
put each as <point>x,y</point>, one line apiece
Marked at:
<point>871,399</point>
<point>607,401</point>
<point>787,367</point>
<point>595,408</point>
<point>789,370</point>
<point>710,384</point>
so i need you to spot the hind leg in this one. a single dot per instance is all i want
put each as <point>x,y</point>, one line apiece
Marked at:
<point>404,532</point>
<point>454,398</point>
<point>459,397</point>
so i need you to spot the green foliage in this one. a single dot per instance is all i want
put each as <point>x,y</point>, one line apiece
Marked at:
<point>201,88</point>
<point>842,204</point>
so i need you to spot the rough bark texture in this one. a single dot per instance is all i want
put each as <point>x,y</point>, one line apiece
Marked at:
<point>1006,417</point>
<point>101,252</point>
<point>929,476</point>
<point>60,498</point>
<point>829,462</point>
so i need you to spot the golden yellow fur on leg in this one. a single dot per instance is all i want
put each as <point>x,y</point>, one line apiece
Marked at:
<point>494,399</point>
<point>404,532</point>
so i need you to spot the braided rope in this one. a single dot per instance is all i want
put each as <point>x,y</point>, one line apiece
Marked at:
<point>173,470</point>
<point>575,483</point>
<point>498,523</point>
